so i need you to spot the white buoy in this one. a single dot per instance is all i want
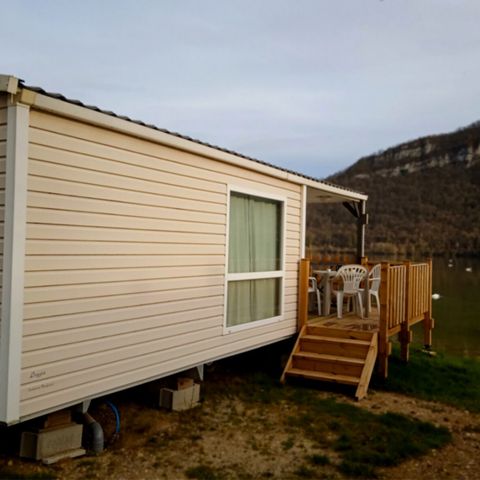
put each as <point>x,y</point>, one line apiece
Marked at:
<point>435,296</point>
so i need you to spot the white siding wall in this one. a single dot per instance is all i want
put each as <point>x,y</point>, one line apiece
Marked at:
<point>3,146</point>
<point>125,261</point>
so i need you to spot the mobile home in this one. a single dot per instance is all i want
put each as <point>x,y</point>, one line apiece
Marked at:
<point>131,252</point>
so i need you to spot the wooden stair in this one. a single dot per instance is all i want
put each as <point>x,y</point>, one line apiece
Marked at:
<point>334,355</point>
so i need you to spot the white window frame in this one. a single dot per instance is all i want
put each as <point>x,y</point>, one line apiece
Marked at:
<point>255,275</point>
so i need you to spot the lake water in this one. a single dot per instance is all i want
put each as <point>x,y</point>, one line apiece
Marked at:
<point>457,311</point>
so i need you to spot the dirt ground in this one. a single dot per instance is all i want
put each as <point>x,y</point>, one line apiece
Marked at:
<point>226,437</point>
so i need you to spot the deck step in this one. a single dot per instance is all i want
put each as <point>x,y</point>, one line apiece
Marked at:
<point>323,376</point>
<point>334,355</point>
<point>343,347</point>
<point>350,341</point>
<point>339,332</point>
<point>329,358</point>
<point>324,362</point>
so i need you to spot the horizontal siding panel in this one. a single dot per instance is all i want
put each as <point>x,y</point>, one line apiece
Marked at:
<point>163,312</point>
<point>292,275</point>
<point>3,153</point>
<point>291,309</point>
<point>293,235</point>
<point>47,399</point>
<point>80,175</point>
<point>62,232</point>
<point>114,347</point>
<point>294,205</point>
<point>293,252</point>
<point>56,247</point>
<point>63,292</point>
<point>50,309</point>
<point>3,131</point>
<point>291,267</point>
<point>139,354</point>
<point>86,262</point>
<point>75,136</point>
<point>119,348</point>
<point>48,185</point>
<point>33,343</point>
<point>289,291</point>
<point>62,278</point>
<point>59,217</point>
<point>117,167</point>
<point>293,221</point>
<point>69,203</point>
<point>292,243</point>
<point>125,261</point>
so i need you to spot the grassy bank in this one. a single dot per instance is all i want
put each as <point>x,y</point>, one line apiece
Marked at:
<point>451,380</point>
<point>348,439</point>
<point>249,426</point>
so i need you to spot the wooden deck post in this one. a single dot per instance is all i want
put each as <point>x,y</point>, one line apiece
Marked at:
<point>405,335</point>
<point>362,220</point>
<point>303,274</point>
<point>383,347</point>
<point>428,321</point>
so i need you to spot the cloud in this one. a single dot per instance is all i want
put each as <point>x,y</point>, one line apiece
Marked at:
<point>308,85</point>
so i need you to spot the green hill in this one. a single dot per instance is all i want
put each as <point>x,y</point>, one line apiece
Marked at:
<point>424,198</point>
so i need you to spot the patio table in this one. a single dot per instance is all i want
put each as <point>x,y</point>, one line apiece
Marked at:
<point>326,277</point>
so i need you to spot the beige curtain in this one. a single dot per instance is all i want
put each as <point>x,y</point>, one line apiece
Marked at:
<point>254,246</point>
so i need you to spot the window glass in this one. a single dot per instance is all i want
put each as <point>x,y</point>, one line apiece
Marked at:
<point>254,250</point>
<point>251,300</point>
<point>254,236</point>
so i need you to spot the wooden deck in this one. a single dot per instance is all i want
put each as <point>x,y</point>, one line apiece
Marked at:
<point>346,350</point>
<point>350,321</point>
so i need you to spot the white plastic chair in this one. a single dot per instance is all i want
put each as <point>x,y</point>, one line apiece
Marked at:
<point>374,278</point>
<point>351,276</point>
<point>313,288</point>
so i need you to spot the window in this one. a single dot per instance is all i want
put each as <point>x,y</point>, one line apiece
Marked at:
<point>255,259</point>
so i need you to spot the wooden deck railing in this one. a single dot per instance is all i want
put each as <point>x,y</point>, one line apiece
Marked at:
<point>405,299</point>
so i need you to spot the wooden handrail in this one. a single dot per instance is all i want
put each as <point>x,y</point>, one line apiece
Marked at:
<point>303,274</point>
<point>405,299</point>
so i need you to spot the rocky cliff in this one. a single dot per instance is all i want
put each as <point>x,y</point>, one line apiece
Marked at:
<point>424,198</point>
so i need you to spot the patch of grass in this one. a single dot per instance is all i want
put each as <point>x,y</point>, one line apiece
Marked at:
<point>203,472</point>
<point>388,440</point>
<point>362,439</point>
<point>305,472</point>
<point>317,459</point>
<point>10,474</point>
<point>366,440</point>
<point>354,469</point>
<point>288,443</point>
<point>451,380</point>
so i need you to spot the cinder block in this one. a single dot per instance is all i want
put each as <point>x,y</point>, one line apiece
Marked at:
<point>184,382</point>
<point>50,442</point>
<point>180,399</point>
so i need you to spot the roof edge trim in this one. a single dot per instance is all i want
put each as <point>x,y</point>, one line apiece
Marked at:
<point>9,84</point>
<point>82,113</point>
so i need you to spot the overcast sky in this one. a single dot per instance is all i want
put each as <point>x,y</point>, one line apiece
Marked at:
<point>310,85</point>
